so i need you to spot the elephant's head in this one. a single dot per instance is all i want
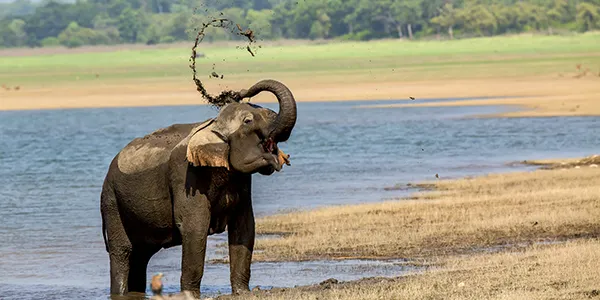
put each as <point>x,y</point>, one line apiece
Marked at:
<point>243,137</point>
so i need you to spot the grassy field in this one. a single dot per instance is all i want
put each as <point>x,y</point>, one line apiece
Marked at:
<point>496,56</point>
<point>529,235</point>
<point>457,217</point>
<point>390,69</point>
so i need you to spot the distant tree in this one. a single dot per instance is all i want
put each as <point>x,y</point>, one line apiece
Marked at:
<point>506,18</point>
<point>18,8</point>
<point>178,26</point>
<point>161,6</point>
<point>531,16</point>
<point>409,12</point>
<point>559,12</point>
<point>337,10</point>
<point>71,36</point>
<point>76,36</point>
<point>368,20</point>
<point>448,18</point>
<point>477,19</point>
<point>305,15</point>
<point>84,13</point>
<point>116,7</point>
<point>588,16</point>
<point>17,28</point>
<point>282,23</point>
<point>321,26</point>
<point>238,16</point>
<point>260,22</point>
<point>158,21</point>
<point>386,14</point>
<point>132,24</point>
<point>48,21</point>
<point>50,42</point>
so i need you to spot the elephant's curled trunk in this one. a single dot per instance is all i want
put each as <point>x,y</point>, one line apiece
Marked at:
<point>281,129</point>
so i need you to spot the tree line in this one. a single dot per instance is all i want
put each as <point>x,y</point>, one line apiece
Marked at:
<point>93,22</point>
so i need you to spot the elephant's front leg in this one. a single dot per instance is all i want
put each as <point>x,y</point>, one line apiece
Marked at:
<point>193,226</point>
<point>241,244</point>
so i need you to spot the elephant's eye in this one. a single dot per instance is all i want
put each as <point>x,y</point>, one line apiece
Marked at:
<point>248,121</point>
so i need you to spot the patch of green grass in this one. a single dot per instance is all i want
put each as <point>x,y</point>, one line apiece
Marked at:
<point>495,55</point>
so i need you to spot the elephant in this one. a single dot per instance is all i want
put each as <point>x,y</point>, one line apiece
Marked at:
<point>180,184</point>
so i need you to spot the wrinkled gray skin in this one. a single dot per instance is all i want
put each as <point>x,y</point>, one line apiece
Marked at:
<point>182,183</point>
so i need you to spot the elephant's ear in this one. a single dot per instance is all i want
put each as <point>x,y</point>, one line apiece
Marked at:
<point>207,148</point>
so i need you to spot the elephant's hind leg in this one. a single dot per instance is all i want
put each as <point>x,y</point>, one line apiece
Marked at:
<point>119,246</point>
<point>138,264</point>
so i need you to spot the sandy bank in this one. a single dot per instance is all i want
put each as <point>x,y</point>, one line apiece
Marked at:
<point>541,97</point>
<point>548,96</point>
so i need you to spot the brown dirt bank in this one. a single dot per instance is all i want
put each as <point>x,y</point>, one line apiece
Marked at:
<point>546,96</point>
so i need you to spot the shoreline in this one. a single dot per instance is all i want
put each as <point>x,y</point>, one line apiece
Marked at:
<point>286,231</point>
<point>467,273</point>
<point>531,272</point>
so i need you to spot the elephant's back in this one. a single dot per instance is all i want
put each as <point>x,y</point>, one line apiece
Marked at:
<point>153,150</point>
<point>139,177</point>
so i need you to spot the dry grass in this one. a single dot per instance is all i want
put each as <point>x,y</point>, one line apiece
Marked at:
<point>565,271</point>
<point>442,225</point>
<point>458,217</point>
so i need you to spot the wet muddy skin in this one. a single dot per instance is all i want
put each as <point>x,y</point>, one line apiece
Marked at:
<point>53,163</point>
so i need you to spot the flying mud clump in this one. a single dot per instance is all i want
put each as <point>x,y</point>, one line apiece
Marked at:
<point>229,95</point>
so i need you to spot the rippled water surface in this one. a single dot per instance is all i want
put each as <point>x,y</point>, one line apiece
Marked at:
<point>52,164</point>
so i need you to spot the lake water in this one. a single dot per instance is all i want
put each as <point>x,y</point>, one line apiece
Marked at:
<point>52,164</point>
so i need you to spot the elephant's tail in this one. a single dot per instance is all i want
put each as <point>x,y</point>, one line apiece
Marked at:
<point>104,198</point>
<point>104,233</point>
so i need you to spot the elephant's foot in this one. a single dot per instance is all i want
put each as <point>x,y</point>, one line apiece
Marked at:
<point>240,290</point>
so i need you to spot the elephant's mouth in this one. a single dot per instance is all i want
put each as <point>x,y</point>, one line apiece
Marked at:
<point>279,158</point>
<point>269,145</point>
